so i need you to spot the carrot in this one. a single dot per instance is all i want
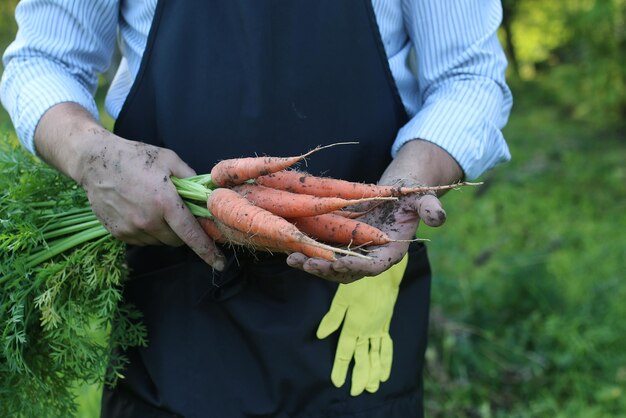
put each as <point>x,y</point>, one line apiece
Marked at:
<point>227,235</point>
<point>210,227</point>
<point>298,182</point>
<point>354,214</point>
<point>334,228</point>
<point>295,205</point>
<point>235,171</point>
<point>232,209</point>
<point>349,214</point>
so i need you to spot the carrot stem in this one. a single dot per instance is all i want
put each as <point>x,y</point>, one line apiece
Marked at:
<point>68,221</point>
<point>71,229</point>
<point>65,244</point>
<point>197,210</point>
<point>190,190</point>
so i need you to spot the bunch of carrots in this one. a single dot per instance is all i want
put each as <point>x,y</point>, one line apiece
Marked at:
<point>258,202</point>
<point>261,203</point>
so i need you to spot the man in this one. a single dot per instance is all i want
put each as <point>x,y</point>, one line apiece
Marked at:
<point>202,81</point>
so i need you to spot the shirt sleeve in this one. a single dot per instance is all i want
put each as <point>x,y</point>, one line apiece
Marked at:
<point>460,67</point>
<point>60,48</point>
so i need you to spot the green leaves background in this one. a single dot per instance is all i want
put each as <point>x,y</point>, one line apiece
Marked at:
<point>61,322</point>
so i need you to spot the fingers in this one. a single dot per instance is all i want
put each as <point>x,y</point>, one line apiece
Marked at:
<point>183,226</point>
<point>349,269</point>
<point>373,381</point>
<point>360,372</point>
<point>323,269</point>
<point>139,239</point>
<point>140,229</point>
<point>343,356</point>
<point>187,228</point>
<point>296,260</point>
<point>175,227</point>
<point>147,210</point>
<point>331,321</point>
<point>430,210</point>
<point>320,268</point>
<point>386,357</point>
<point>381,259</point>
<point>166,237</point>
<point>366,373</point>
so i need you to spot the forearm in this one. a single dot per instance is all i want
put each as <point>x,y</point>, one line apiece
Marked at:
<point>124,181</point>
<point>422,162</point>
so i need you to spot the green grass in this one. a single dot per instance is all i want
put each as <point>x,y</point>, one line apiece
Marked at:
<point>528,312</point>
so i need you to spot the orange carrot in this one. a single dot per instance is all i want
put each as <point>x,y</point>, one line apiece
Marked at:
<point>235,211</point>
<point>295,205</point>
<point>334,228</point>
<point>227,235</point>
<point>349,214</point>
<point>210,227</point>
<point>235,171</point>
<point>297,182</point>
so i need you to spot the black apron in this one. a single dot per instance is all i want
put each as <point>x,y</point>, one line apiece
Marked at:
<point>229,78</point>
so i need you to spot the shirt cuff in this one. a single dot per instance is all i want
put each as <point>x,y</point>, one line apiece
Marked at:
<point>28,96</point>
<point>473,139</point>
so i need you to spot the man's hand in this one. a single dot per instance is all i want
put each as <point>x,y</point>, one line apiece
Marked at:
<point>418,163</point>
<point>399,221</point>
<point>127,183</point>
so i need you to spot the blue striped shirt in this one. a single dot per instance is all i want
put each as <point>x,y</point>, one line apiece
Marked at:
<point>444,55</point>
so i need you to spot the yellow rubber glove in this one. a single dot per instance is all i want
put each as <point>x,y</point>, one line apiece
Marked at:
<point>365,308</point>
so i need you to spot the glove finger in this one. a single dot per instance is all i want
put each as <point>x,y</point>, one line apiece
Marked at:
<point>343,356</point>
<point>386,357</point>
<point>373,382</point>
<point>331,321</point>
<point>360,372</point>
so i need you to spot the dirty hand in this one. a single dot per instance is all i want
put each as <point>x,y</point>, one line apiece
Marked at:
<point>418,163</point>
<point>127,183</point>
<point>399,219</point>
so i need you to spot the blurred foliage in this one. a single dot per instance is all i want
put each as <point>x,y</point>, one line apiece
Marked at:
<point>8,27</point>
<point>528,312</point>
<point>577,49</point>
<point>529,272</point>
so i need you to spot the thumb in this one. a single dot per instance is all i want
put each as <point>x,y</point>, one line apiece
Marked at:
<point>430,210</point>
<point>331,321</point>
